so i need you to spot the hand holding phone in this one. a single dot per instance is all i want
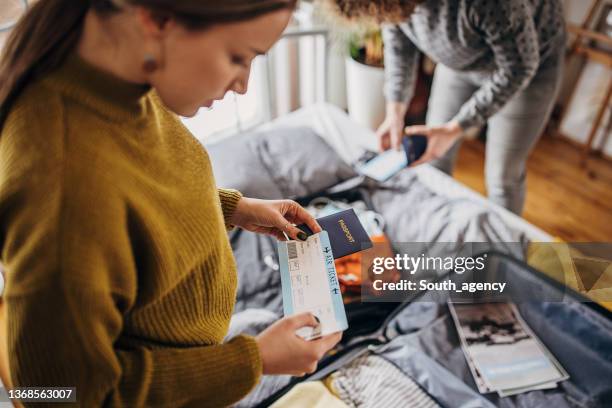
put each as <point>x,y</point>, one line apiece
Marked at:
<point>414,146</point>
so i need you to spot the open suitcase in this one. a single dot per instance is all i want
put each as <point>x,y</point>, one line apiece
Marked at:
<point>420,332</point>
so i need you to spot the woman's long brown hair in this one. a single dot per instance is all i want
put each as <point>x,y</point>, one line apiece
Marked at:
<point>50,30</point>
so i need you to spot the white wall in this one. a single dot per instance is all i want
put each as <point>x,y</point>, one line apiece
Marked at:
<point>10,11</point>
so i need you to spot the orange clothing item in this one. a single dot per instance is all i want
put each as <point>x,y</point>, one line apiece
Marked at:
<point>350,268</point>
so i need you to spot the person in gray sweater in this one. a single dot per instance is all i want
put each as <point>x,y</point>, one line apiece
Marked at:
<point>499,63</point>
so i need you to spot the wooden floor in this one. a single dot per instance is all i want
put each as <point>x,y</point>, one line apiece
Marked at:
<point>563,199</point>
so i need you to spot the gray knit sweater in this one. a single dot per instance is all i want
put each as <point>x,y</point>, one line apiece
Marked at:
<point>506,40</point>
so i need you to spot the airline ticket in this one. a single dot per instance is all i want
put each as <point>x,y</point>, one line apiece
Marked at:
<point>310,284</point>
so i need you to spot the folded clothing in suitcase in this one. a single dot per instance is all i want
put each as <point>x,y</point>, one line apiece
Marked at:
<point>419,337</point>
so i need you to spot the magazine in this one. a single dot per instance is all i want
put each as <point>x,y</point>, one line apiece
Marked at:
<point>502,352</point>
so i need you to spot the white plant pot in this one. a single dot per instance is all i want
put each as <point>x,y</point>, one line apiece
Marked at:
<point>364,90</point>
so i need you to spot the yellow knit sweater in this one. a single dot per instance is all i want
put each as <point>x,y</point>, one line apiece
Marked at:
<point>121,280</point>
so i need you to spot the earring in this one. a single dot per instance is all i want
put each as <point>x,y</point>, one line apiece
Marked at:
<point>150,64</point>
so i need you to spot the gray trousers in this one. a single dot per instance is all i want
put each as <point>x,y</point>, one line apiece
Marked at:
<point>512,132</point>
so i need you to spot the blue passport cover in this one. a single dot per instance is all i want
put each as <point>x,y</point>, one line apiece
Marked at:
<point>346,234</point>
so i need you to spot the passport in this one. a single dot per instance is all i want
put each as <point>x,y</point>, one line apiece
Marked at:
<point>346,234</point>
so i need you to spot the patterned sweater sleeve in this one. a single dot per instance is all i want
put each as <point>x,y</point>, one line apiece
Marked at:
<point>509,30</point>
<point>401,63</point>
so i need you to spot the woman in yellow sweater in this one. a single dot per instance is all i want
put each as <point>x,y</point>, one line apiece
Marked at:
<point>120,280</point>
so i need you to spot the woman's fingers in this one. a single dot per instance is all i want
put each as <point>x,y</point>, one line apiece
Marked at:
<point>427,157</point>
<point>383,136</point>
<point>293,213</point>
<point>384,142</point>
<point>396,136</point>
<point>280,218</point>
<point>278,234</point>
<point>273,231</point>
<point>298,215</point>
<point>440,140</point>
<point>284,225</point>
<point>329,341</point>
<point>418,130</point>
<point>301,320</point>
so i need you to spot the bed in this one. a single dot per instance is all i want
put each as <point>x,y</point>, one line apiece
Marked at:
<point>350,140</point>
<point>311,153</point>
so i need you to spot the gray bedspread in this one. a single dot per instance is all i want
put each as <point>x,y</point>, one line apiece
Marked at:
<point>296,162</point>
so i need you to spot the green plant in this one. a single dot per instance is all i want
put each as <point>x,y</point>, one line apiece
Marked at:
<point>363,36</point>
<point>367,47</point>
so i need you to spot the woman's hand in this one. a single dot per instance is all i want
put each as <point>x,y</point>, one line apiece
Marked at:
<point>284,352</point>
<point>439,139</point>
<point>391,131</point>
<point>273,217</point>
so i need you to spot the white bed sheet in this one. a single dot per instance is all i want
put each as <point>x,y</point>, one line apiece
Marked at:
<point>350,140</point>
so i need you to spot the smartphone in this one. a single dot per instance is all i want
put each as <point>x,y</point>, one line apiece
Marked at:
<point>414,146</point>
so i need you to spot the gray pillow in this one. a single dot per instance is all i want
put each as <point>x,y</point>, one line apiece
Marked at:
<point>236,164</point>
<point>301,162</point>
<point>280,163</point>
